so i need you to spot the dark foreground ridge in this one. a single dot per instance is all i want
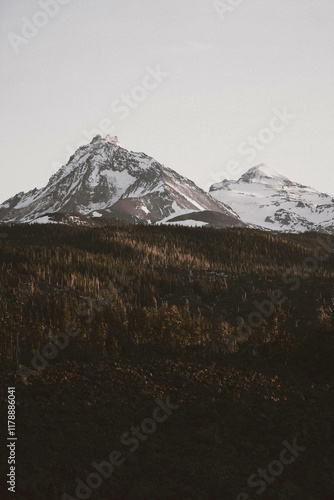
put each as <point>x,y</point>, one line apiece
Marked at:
<point>100,324</point>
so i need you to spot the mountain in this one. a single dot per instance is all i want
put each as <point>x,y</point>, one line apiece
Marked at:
<point>264,198</point>
<point>103,180</point>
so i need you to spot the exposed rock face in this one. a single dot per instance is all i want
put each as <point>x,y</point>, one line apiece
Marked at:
<point>102,179</point>
<point>264,198</point>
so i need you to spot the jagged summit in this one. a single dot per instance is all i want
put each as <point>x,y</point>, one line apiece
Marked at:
<point>112,139</point>
<point>103,179</point>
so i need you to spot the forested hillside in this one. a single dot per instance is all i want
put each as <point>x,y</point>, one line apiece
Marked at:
<point>163,287</point>
<point>235,325</point>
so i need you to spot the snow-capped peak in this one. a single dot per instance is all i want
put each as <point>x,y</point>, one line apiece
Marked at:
<point>264,198</point>
<point>103,179</point>
<point>264,174</point>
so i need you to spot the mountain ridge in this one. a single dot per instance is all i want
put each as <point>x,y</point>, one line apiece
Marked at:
<point>264,198</point>
<point>103,179</point>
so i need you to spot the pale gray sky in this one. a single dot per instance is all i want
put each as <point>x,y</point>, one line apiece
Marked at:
<point>227,74</point>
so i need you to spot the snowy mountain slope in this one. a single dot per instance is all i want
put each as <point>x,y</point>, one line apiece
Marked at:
<point>104,179</point>
<point>201,218</point>
<point>264,198</point>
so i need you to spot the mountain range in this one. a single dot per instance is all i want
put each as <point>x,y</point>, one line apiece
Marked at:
<point>103,180</point>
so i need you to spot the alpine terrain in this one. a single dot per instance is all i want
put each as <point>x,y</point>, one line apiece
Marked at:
<point>104,180</point>
<point>263,198</point>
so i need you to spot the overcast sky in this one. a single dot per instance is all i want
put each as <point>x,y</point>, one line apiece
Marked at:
<point>222,79</point>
